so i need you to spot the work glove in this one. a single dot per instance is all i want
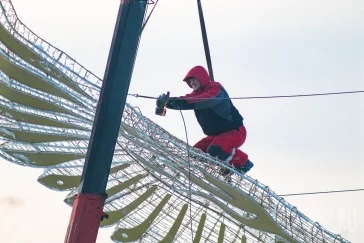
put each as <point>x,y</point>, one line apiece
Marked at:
<point>161,100</point>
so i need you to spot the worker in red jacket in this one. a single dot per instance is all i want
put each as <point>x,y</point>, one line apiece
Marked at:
<point>217,116</point>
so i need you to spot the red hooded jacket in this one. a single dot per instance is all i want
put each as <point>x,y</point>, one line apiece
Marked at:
<point>211,103</point>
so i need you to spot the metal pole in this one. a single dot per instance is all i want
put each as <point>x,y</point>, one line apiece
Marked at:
<point>88,205</point>
<point>205,41</point>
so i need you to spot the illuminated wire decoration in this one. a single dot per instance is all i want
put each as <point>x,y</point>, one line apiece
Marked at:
<point>157,191</point>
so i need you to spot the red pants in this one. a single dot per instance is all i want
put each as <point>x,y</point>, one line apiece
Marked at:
<point>224,144</point>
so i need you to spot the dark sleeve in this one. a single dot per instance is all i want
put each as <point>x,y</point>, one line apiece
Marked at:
<point>179,104</point>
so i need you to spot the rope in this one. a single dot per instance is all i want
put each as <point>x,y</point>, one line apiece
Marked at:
<point>323,192</point>
<point>189,171</point>
<point>265,97</point>
<point>149,2</point>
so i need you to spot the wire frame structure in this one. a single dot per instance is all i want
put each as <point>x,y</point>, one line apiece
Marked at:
<point>159,189</point>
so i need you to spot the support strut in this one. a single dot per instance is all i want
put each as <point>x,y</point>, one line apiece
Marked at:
<point>87,211</point>
<point>205,41</point>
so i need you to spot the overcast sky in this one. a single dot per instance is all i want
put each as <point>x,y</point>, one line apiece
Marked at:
<point>258,48</point>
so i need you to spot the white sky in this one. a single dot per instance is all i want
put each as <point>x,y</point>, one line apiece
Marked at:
<point>258,48</point>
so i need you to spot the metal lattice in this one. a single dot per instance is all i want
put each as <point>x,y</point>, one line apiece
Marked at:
<point>47,104</point>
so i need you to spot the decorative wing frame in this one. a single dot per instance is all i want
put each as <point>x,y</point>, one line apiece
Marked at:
<point>156,191</point>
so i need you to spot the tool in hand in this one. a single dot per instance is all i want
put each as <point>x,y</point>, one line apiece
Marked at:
<point>161,111</point>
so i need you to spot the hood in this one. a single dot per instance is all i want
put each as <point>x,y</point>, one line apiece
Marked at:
<point>199,73</point>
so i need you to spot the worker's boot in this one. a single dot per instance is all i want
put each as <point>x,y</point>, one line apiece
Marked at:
<point>244,169</point>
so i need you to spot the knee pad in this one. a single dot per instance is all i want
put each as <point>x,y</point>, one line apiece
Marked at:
<point>216,151</point>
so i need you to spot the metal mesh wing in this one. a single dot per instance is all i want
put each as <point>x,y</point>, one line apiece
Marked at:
<point>156,191</point>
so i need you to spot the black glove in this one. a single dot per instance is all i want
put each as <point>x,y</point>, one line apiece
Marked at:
<point>161,100</point>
